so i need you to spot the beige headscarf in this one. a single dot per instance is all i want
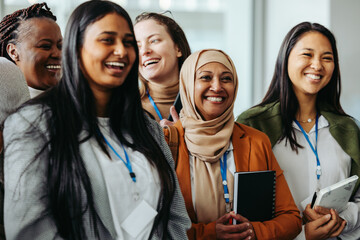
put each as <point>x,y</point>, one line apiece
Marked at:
<point>207,141</point>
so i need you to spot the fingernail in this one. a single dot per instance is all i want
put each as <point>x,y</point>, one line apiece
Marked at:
<point>250,231</point>
<point>248,224</point>
<point>328,216</point>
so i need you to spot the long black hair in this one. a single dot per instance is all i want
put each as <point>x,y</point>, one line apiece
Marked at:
<point>72,107</point>
<point>281,90</point>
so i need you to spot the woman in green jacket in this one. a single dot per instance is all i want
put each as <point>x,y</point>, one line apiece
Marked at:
<point>315,142</point>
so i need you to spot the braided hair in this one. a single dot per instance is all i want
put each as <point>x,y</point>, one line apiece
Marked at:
<point>9,25</point>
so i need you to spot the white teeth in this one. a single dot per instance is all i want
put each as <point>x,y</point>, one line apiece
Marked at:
<point>148,62</point>
<point>313,76</point>
<point>116,64</point>
<point>215,99</point>
<point>53,66</point>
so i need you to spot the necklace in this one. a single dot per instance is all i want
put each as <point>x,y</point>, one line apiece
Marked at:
<point>307,121</point>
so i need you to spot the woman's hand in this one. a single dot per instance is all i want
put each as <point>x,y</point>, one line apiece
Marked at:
<point>164,122</point>
<point>322,223</point>
<point>324,211</point>
<point>244,230</point>
<point>310,214</point>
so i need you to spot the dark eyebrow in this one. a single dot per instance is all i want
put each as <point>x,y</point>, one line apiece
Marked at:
<point>310,49</point>
<point>108,32</point>
<point>328,53</point>
<point>46,40</point>
<point>205,71</point>
<point>115,33</point>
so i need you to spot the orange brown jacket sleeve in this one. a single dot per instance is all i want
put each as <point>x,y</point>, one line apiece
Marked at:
<point>287,221</point>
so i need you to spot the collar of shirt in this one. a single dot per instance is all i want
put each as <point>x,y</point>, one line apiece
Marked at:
<point>322,123</point>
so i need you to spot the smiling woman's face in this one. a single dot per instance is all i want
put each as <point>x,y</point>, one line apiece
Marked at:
<point>311,64</point>
<point>108,52</point>
<point>38,52</point>
<point>214,90</point>
<point>158,54</point>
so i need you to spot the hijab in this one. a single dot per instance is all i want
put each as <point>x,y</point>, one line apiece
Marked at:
<point>206,141</point>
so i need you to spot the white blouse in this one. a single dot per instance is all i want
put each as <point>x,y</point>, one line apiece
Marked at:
<point>120,187</point>
<point>300,171</point>
<point>34,92</point>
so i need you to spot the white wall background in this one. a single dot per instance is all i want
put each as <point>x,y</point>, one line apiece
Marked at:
<point>251,32</point>
<point>345,24</point>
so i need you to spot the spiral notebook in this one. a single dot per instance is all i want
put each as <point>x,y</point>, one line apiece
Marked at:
<point>254,195</point>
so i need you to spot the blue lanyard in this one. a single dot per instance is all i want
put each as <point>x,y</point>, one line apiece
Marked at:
<point>318,166</point>
<point>154,105</point>
<point>127,162</point>
<point>223,170</point>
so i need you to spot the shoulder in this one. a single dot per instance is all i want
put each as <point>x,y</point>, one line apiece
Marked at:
<point>336,120</point>
<point>154,127</point>
<point>250,132</point>
<point>28,117</point>
<point>265,118</point>
<point>256,113</point>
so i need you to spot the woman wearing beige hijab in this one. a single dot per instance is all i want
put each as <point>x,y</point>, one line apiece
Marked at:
<point>207,133</point>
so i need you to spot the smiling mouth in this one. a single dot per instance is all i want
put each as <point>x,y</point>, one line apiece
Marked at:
<point>150,62</point>
<point>53,67</point>
<point>115,65</point>
<point>313,76</point>
<point>215,99</point>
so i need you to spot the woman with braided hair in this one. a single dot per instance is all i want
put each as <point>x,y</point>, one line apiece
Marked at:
<point>32,39</point>
<point>82,160</point>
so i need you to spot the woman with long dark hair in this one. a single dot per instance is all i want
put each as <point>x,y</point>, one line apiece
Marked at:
<point>82,160</point>
<point>315,142</point>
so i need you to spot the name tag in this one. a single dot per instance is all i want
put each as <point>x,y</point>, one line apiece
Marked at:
<point>139,219</point>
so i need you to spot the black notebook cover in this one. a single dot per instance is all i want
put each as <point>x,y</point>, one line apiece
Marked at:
<point>254,195</point>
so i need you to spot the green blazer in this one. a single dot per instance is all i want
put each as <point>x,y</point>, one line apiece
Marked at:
<point>344,129</point>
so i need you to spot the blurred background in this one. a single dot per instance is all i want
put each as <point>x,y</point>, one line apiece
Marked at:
<point>250,31</point>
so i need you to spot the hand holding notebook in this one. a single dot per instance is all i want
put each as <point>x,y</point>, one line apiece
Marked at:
<point>335,196</point>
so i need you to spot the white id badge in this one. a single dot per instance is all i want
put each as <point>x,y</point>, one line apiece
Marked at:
<point>138,219</point>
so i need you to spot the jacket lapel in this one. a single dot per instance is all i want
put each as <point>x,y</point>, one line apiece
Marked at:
<point>242,146</point>
<point>100,195</point>
<point>183,171</point>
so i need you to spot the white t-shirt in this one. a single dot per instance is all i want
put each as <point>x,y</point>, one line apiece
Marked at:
<point>120,187</point>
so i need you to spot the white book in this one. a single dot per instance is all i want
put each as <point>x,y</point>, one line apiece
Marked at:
<point>336,196</point>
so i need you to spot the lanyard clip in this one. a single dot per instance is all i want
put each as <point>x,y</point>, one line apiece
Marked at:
<point>227,207</point>
<point>318,170</point>
<point>133,176</point>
